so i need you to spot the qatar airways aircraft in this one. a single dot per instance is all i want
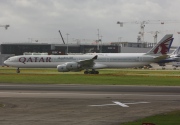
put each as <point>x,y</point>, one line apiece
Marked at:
<point>174,57</point>
<point>66,63</point>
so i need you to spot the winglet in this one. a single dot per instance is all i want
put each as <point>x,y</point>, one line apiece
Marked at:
<point>95,57</point>
<point>162,48</point>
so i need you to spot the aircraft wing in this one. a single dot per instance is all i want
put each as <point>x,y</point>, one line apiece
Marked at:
<point>77,66</point>
<point>161,57</point>
<point>88,62</point>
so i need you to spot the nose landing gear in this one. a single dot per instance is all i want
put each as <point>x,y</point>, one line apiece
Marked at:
<point>17,70</point>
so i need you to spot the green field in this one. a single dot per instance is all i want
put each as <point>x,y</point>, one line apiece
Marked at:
<point>170,118</point>
<point>1,105</point>
<point>106,77</point>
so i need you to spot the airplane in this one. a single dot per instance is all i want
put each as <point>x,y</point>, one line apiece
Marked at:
<point>66,63</point>
<point>174,57</point>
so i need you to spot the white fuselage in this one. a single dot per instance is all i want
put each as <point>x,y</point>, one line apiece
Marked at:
<point>125,60</point>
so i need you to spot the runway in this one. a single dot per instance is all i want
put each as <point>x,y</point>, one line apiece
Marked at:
<point>90,88</point>
<point>83,104</point>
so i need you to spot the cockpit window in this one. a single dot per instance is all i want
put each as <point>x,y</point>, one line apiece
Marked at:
<point>12,59</point>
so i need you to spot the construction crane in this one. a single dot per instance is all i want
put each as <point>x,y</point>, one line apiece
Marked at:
<point>142,25</point>
<point>155,33</point>
<point>5,26</point>
<point>61,36</point>
<point>155,36</point>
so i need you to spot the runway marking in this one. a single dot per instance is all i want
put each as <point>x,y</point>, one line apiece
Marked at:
<point>121,104</point>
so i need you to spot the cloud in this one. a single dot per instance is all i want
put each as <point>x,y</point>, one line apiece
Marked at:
<point>81,19</point>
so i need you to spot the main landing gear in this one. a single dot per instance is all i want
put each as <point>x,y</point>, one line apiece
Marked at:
<point>17,70</point>
<point>163,68</point>
<point>175,67</point>
<point>91,72</point>
<point>163,65</point>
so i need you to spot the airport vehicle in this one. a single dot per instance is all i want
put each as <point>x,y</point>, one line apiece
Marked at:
<point>66,63</point>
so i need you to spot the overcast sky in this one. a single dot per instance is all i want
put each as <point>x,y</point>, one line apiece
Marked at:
<point>32,20</point>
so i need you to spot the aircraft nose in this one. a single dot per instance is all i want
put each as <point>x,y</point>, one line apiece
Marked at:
<point>6,62</point>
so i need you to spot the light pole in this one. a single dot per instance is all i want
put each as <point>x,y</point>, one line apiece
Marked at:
<point>67,42</point>
<point>101,44</point>
<point>98,41</point>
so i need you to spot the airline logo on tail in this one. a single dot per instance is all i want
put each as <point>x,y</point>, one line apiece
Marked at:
<point>164,47</point>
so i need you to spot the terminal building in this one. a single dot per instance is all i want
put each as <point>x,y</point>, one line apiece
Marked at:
<point>12,49</point>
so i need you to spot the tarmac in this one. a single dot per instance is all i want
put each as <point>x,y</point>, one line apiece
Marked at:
<point>83,104</point>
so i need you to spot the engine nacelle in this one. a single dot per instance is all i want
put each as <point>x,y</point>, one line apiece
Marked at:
<point>70,66</point>
<point>62,68</point>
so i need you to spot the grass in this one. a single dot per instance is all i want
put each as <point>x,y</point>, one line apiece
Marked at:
<point>1,105</point>
<point>170,118</point>
<point>106,77</point>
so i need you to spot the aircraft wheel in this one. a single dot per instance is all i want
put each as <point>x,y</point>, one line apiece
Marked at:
<point>91,72</point>
<point>86,72</point>
<point>17,71</point>
<point>163,68</point>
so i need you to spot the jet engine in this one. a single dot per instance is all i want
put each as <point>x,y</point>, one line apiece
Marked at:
<point>70,66</point>
<point>62,68</point>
